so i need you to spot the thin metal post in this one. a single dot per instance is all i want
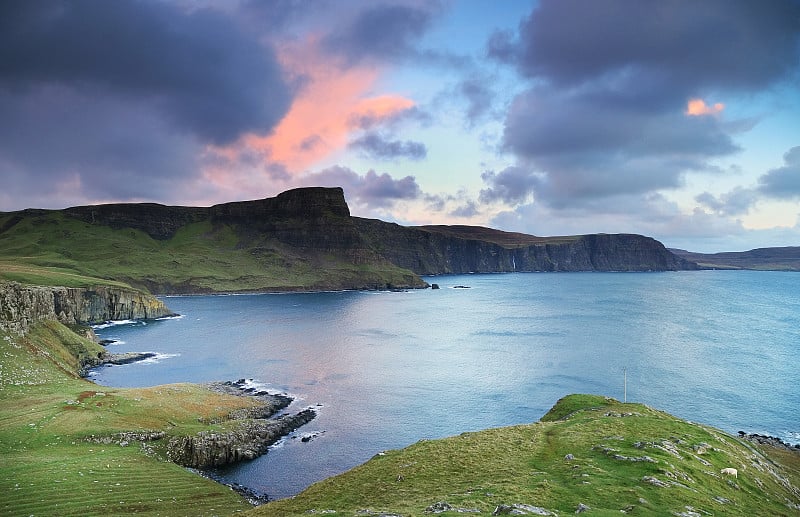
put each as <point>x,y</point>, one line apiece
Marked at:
<point>625,383</point>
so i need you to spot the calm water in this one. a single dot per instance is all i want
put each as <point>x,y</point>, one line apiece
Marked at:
<point>392,368</point>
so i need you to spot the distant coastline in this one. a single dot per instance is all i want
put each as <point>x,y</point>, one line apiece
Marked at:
<point>785,258</point>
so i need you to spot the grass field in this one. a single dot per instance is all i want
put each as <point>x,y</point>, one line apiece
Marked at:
<point>47,415</point>
<point>529,466</point>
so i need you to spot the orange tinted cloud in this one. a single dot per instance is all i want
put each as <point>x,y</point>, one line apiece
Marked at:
<point>698,107</point>
<point>323,113</point>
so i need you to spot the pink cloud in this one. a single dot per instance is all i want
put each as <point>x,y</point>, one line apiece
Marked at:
<point>698,107</point>
<point>319,120</point>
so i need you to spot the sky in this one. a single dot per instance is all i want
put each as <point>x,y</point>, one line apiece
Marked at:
<point>674,119</point>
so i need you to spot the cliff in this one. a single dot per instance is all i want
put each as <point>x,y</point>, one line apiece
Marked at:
<point>21,306</point>
<point>431,250</point>
<point>301,240</point>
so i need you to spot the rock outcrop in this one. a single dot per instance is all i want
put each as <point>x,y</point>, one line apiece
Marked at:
<point>251,439</point>
<point>21,305</point>
<point>255,429</point>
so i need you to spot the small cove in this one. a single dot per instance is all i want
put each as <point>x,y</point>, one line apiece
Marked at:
<point>391,368</point>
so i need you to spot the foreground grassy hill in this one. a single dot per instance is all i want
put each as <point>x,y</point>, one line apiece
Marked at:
<point>588,454</point>
<point>60,447</point>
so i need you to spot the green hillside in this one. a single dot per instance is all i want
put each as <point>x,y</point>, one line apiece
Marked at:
<point>48,415</point>
<point>53,248</point>
<point>589,455</point>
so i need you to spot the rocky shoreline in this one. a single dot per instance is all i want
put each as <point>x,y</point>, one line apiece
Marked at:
<point>772,441</point>
<point>258,428</point>
<point>108,358</point>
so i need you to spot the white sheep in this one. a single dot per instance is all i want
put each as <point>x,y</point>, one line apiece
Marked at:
<point>729,472</point>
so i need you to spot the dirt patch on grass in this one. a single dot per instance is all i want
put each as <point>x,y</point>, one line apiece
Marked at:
<point>85,395</point>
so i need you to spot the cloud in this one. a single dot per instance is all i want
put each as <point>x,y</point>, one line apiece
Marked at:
<point>698,107</point>
<point>388,111</point>
<point>738,44</point>
<point>60,147</point>
<point>374,145</point>
<point>479,97</point>
<point>512,185</point>
<point>468,210</point>
<point>331,105</point>
<point>119,102</point>
<point>737,202</point>
<point>615,102</point>
<point>371,190</point>
<point>197,69</point>
<point>655,216</point>
<point>783,182</point>
<point>380,33</point>
<point>586,149</point>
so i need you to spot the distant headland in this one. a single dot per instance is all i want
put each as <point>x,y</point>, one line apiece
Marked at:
<point>301,240</point>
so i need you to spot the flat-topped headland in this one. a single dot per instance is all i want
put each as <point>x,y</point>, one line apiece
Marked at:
<point>300,240</point>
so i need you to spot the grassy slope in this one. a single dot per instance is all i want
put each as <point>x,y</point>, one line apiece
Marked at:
<point>505,239</point>
<point>46,412</point>
<point>54,249</point>
<point>526,465</point>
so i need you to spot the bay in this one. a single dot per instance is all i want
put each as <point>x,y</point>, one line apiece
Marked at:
<point>386,369</point>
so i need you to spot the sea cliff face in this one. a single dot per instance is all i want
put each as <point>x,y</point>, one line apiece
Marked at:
<point>452,250</point>
<point>22,305</point>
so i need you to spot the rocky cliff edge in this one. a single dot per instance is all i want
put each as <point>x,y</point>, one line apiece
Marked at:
<point>23,305</point>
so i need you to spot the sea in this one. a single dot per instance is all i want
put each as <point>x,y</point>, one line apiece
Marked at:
<point>387,369</point>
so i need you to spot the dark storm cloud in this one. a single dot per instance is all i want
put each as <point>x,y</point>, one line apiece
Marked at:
<point>103,149</point>
<point>741,44</point>
<point>374,145</point>
<point>783,182</point>
<point>279,14</point>
<point>381,32</point>
<point>200,71</point>
<point>118,100</point>
<point>372,189</point>
<point>611,81</point>
<point>544,123</point>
